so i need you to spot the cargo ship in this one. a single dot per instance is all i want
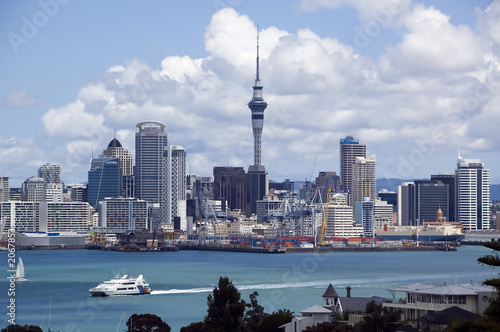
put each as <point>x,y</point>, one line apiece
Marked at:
<point>428,232</point>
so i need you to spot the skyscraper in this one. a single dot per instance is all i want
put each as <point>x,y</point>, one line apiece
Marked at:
<point>349,150</point>
<point>257,177</point>
<point>448,179</point>
<point>33,190</point>
<point>150,144</point>
<point>472,188</point>
<point>230,185</point>
<point>363,179</point>
<point>115,150</point>
<point>430,196</point>
<point>104,180</point>
<point>175,188</point>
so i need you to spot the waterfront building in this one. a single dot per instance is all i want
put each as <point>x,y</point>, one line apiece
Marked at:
<point>364,183</point>
<point>46,216</point>
<point>257,176</point>
<point>230,185</point>
<point>65,217</point>
<point>121,214</point>
<point>175,185</point>
<point>448,179</point>
<point>150,145</point>
<point>472,196</point>
<point>339,222</point>
<point>50,173</point>
<point>349,150</point>
<point>20,215</point>
<point>364,212</point>
<point>4,189</point>
<point>33,189</point>
<point>421,299</point>
<point>104,180</point>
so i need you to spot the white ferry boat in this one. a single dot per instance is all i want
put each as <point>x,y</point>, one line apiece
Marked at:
<point>122,285</point>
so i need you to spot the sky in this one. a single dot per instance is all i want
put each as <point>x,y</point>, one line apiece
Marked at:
<point>418,82</point>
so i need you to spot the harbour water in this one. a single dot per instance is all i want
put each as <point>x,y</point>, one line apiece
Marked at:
<point>181,281</point>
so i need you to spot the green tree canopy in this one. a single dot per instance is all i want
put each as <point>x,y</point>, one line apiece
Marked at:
<point>225,308</point>
<point>146,323</point>
<point>21,328</point>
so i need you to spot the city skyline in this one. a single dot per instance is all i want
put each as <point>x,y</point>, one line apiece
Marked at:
<point>398,78</point>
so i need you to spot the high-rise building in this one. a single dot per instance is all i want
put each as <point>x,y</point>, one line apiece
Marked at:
<point>448,179</point>
<point>364,212</point>
<point>364,183</point>
<point>406,201</point>
<point>115,150</point>
<point>230,185</point>
<point>104,180</point>
<point>257,177</point>
<point>340,219</point>
<point>50,173</point>
<point>349,150</point>
<point>327,181</point>
<point>430,196</point>
<point>472,194</point>
<point>4,189</point>
<point>150,144</point>
<point>53,192</point>
<point>175,188</point>
<point>33,190</point>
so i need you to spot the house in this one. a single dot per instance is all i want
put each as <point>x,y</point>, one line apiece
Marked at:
<point>439,320</point>
<point>333,306</point>
<point>420,299</point>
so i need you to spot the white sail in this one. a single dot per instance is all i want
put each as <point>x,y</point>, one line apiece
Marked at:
<point>20,271</point>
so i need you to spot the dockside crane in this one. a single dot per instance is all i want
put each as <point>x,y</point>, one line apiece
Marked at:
<point>325,220</point>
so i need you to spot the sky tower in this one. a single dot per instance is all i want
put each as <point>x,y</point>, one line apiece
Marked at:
<point>257,105</point>
<point>257,177</point>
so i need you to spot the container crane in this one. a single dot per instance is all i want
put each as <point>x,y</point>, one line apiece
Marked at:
<point>325,220</point>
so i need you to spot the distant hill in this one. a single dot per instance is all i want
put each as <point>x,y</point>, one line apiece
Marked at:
<point>392,185</point>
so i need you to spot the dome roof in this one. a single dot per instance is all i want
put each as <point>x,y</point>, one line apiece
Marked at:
<point>349,137</point>
<point>114,143</point>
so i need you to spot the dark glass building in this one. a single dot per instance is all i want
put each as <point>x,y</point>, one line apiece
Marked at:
<point>105,178</point>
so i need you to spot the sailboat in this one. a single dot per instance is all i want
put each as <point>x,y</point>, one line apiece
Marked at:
<point>20,271</point>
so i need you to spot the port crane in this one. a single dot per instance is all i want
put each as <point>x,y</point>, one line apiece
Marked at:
<point>325,220</point>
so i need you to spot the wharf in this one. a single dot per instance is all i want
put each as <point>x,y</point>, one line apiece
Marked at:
<point>231,248</point>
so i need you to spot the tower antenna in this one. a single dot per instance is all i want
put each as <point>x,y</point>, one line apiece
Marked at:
<point>257,77</point>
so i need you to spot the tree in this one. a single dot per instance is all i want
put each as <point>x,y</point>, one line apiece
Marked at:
<point>379,318</point>
<point>255,314</point>
<point>225,308</point>
<point>272,322</point>
<point>146,323</point>
<point>194,327</point>
<point>21,328</point>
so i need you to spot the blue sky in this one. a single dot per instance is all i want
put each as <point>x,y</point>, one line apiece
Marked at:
<point>413,80</point>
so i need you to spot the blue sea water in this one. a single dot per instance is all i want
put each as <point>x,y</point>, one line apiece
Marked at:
<point>181,281</point>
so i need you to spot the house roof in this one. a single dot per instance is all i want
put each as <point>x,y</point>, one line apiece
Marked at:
<point>456,289</point>
<point>330,292</point>
<point>316,309</point>
<point>359,303</point>
<point>446,315</point>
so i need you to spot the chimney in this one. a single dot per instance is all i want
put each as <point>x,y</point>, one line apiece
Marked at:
<point>348,288</point>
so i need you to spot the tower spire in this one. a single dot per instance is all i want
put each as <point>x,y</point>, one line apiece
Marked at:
<point>257,76</point>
